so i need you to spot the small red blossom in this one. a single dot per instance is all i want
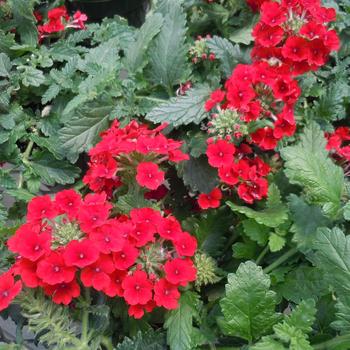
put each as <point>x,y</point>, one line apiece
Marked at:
<point>63,293</point>
<point>166,294</point>
<point>137,288</point>
<point>180,271</point>
<point>80,253</point>
<point>220,153</point>
<point>9,289</point>
<point>210,200</point>
<point>149,175</point>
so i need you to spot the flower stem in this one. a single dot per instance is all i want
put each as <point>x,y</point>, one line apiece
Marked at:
<point>262,255</point>
<point>330,344</point>
<point>107,343</point>
<point>85,317</point>
<point>25,158</point>
<point>280,260</point>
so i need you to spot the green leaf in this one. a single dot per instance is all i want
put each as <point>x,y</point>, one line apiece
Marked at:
<point>332,256</point>
<point>243,35</point>
<point>276,242</point>
<point>249,304</point>
<point>256,232</point>
<point>53,171</point>
<point>342,323</point>
<point>20,194</point>
<point>304,282</point>
<point>275,213</point>
<point>182,110</point>
<point>150,340</point>
<point>308,165</point>
<point>199,175</point>
<point>244,250</point>
<point>228,54</point>
<point>52,92</point>
<point>5,65</point>
<point>81,132</point>
<point>32,76</point>
<point>179,322</point>
<point>136,53</point>
<point>346,211</point>
<point>307,219</point>
<point>268,343</point>
<point>168,61</point>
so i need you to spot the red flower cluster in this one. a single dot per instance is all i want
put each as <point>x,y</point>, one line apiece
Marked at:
<point>257,105</point>
<point>338,143</point>
<point>255,94</point>
<point>293,36</point>
<point>59,20</point>
<point>132,149</point>
<point>143,258</point>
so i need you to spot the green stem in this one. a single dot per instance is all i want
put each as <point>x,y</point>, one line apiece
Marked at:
<point>25,158</point>
<point>262,255</point>
<point>107,343</point>
<point>330,344</point>
<point>280,260</point>
<point>85,317</point>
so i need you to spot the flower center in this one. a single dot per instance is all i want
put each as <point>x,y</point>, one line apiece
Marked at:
<point>137,287</point>
<point>97,269</point>
<point>37,248</point>
<point>5,294</point>
<point>166,292</point>
<point>122,255</point>
<point>56,269</point>
<point>81,256</point>
<point>107,239</point>
<point>176,272</point>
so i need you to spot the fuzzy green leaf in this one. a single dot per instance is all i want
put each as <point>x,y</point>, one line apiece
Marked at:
<point>81,132</point>
<point>32,76</point>
<point>249,304</point>
<point>179,322</point>
<point>53,171</point>
<point>307,219</point>
<point>182,110</point>
<point>275,213</point>
<point>256,232</point>
<point>342,322</point>
<point>144,341</point>
<point>228,54</point>
<point>135,55</point>
<point>5,65</point>
<point>168,61</point>
<point>308,165</point>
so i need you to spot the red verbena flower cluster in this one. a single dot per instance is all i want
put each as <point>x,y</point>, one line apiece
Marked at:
<point>59,20</point>
<point>132,150</point>
<point>293,36</point>
<point>70,241</point>
<point>338,143</point>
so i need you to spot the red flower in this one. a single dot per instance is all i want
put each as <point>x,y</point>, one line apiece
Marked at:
<point>63,293</point>
<point>108,237</point>
<point>239,95</point>
<point>115,286</point>
<point>166,294</point>
<point>97,274</point>
<point>267,36</point>
<point>27,270</point>
<point>30,245</point>
<point>312,30</point>
<point>143,233</point>
<point>273,14</point>
<point>179,271</point>
<point>137,288</point>
<point>169,228</point>
<point>137,311</point>
<point>256,190</point>
<point>80,253</point>
<point>149,175</point>
<point>331,40</point>
<point>216,97</point>
<point>68,201</point>
<point>185,244</point>
<point>296,49</point>
<point>126,257</point>
<point>9,289</point>
<point>53,270</point>
<point>220,153</point>
<point>39,208</point>
<point>210,200</point>
<point>318,53</point>
<point>79,20</point>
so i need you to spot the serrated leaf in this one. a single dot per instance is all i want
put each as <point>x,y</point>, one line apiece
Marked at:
<point>199,175</point>
<point>243,35</point>
<point>53,171</point>
<point>52,92</point>
<point>20,194</point>
<point>268,343</point>
<point>256,232</point>
<point>249,304</point>
<point>5,65</point>
<point>304,282</point>
<point>332,256</point>
<point>307,219</point>
<point>182,110</point>
<point>135,55</point>
<point>244,250</point>
<point>228,54</point>
<point>32,76</point>
<point>144,341</point>
<point>276,242</point>
<point>168,61</point>
<point>342,323</point>
<point>308,165</point>
<point>274,215</point>
<point>81,132</point>
<point>179,322</point>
